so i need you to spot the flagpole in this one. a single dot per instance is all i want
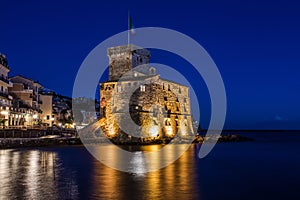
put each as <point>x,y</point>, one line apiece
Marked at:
<point>128,31</point>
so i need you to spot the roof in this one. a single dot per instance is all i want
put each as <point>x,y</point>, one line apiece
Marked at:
<point>173,82</point>
<point>131,79</point>
<point>29,79</point>
<point>142,78</point>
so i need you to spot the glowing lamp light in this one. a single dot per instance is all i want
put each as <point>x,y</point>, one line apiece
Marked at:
<point>153,131</point>
<point>35,116</point>
<point>111,131</point>
<point>183,131</point>
<point>169,131</point>
<point>4,112</point>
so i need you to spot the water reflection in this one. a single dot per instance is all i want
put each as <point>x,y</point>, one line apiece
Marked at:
<point>174,181</point>
<point>137,164</point>
<point>72,173</point>
<point>140,159</point>
<point>230,172</point>
<point>30,174</point>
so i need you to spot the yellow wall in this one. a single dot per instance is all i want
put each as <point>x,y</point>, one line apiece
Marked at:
<point>46,108</point>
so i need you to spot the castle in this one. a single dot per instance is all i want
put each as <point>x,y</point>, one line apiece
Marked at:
<point>159,107</point>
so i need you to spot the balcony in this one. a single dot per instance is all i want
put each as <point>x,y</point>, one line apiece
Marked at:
<point>3,94</point>
<point>5,80</point>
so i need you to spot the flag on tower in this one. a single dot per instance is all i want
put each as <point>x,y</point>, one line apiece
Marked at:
<point>131,26</point>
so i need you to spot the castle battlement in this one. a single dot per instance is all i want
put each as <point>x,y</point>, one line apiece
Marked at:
<point>127,49</point>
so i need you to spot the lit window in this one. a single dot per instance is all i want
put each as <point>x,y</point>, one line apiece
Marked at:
<point>143,88</point>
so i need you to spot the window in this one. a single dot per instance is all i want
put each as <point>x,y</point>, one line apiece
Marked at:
<point>142,88</point>
<point>184,108</point>
<point>155,113</point>
<point>167,122</point>
<point>119,88</point>
<point>48,117</point>
<point>152,71</point>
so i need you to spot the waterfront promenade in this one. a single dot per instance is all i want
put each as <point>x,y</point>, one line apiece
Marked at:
<point>16,138</point>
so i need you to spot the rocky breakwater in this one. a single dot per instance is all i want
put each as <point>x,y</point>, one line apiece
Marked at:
<point>93,134</point>
<point>221,138</point>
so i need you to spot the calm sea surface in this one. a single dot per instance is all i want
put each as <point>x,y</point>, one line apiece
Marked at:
<point>268,168</point>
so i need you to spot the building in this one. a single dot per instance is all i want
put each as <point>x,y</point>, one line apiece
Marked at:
<point>5,98</point>
<point>28,84</point>
<point>22,112</point>
<point>16,107</point>
<point>62,111</point>
<point>160,107</point>
<point>46,115</point>
<point>25,103</point>
<point>25,110</point>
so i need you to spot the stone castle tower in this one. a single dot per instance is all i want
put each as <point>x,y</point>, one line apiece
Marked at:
<point>160,108</point>
<point>124,58</point>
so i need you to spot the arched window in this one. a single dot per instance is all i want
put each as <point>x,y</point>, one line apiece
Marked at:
<point>152,71</point>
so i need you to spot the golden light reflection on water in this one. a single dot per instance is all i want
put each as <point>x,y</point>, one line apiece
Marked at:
<point>27,174</point>
<point>62,174</point>
<point>138,159</point>
<point>159,184</point>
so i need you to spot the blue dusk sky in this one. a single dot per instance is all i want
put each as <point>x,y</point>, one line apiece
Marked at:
<point>255,45</point>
